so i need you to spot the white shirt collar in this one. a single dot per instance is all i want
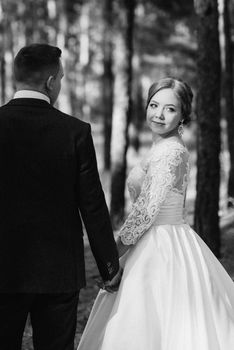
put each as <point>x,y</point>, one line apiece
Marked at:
<point>31,94</point>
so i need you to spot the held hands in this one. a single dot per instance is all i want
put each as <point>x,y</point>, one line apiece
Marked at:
<point>113,285</point>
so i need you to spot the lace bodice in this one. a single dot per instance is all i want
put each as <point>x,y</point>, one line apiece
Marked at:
<point>151,183</point>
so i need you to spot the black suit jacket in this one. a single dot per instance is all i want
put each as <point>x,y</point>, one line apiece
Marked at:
<point>48,176</point>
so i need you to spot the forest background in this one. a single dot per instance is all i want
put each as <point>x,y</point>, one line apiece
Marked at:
<point>112,51</point>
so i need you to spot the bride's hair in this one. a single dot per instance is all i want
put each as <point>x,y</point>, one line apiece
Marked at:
<point>181,89</point>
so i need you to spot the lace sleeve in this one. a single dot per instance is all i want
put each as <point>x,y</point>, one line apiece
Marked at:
<point>164,173</point>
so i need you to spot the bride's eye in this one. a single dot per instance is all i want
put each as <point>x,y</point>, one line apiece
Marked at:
<point>170,109</point>
<point>153,105</point>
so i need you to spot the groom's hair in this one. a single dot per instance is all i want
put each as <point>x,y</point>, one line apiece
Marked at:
<point>34,63</point>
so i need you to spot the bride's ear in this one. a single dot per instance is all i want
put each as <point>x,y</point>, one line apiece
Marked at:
<point>50,83</point>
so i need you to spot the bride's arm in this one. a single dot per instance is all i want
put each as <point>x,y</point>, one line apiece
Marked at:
<point>161,177</point>
<point>122,248</point>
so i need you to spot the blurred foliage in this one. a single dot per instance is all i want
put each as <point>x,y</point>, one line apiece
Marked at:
<point>178,9</point>
<point>164,38</point>
<point>164,43</point>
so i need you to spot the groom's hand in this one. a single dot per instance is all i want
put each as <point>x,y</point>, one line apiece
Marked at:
<point>113,285</point>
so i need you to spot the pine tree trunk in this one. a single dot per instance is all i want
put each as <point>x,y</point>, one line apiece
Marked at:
<point>121,112</point>
<point>9,31</point>
<point>75,19</point>
<point>2,55</point>
<point>68,41</point>
<point>208,117</point>
<point>53,20</point>
<point>84,60</point>
<point>42,16</point>
<point>138,108</point>
<point>63,102</point>
<point>107,80</point>
<point>36,19</point>
<point>3,78</point>
<point>228,94</point>
<point>30,21</point>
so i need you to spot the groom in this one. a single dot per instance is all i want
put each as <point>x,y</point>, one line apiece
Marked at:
<point>48,181</point>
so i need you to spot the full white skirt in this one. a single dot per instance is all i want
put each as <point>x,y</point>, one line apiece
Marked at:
<point>174,295</point>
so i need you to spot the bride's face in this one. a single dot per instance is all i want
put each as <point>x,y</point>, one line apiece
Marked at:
<point>164,112</point>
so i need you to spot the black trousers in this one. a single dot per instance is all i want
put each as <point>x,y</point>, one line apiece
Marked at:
<point>53,318</point>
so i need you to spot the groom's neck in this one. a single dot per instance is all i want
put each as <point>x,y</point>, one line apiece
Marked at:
<point>20,86</point>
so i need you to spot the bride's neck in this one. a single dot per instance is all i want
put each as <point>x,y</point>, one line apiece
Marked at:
<point>157,138</point>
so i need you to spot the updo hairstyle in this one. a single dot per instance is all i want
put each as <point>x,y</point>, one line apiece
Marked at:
<point>181,89</point>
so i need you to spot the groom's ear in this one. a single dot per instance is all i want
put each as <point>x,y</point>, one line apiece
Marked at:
<point>50,83</point>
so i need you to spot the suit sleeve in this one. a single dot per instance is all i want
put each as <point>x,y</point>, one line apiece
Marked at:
<point>94,211</point>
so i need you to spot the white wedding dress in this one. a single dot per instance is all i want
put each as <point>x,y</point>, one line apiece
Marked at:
<point>174,293</point>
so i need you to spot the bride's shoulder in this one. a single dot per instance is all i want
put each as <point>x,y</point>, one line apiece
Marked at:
<point>170,148</point>
<point>164,152</point>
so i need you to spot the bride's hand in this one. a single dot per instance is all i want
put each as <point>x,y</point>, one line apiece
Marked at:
<point>113,285</point>
<point>122,248</point>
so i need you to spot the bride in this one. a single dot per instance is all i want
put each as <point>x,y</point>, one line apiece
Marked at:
<point>174,293</point>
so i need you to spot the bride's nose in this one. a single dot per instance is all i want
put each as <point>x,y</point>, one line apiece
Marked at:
<point>159,113</point>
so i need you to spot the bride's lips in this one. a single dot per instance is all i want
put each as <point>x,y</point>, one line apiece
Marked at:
<point>158,123</point>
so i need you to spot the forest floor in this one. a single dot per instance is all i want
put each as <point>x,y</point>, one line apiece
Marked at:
<point>88,294</point>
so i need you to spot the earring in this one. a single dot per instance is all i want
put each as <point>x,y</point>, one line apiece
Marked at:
<point>181,128</point>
